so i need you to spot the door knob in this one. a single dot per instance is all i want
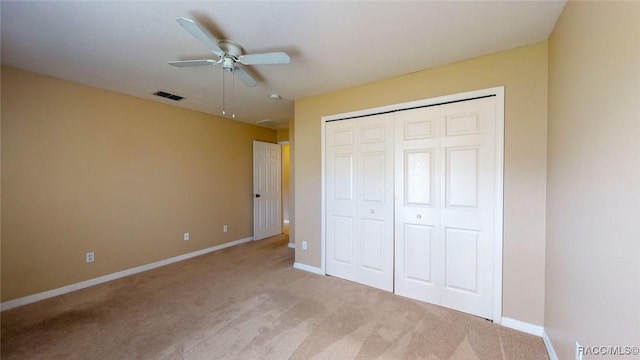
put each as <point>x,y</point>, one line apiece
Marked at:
<point>419,216</point>
<point>371,211</point>
<point>257,195</point>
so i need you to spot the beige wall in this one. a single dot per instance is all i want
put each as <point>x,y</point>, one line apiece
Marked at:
<point>593,204</point>
<point>282,135</point>
<point>90,170</point>
<point>523,72</point>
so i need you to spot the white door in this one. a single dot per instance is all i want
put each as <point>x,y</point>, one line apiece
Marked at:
<point>266,190</point>
<point>359,206</point>
<point>417,197</point>
<point>444,216</point>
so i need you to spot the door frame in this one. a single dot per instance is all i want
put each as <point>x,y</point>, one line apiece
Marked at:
<point>292,243</point>
<point>498,92</point>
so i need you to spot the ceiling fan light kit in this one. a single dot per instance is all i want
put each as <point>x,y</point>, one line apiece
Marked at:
<point>229,55</point>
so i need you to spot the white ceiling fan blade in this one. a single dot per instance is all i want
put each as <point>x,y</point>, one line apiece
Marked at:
<point>245,77</point>
<point>264,59</point>
<point>200,34</point>
<point>190,63</point>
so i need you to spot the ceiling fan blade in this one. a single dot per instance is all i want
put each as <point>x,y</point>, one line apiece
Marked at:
<point>201,34</point>
<point>264,59</point>
<point>245,77</point>
<point>190,63</point>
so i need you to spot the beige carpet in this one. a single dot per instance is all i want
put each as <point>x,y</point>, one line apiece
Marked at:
<point>247,302</point>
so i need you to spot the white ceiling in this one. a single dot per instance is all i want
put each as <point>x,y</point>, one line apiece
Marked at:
<point>124,46</point>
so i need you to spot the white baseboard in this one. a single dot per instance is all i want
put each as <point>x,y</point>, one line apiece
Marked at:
<point>292,245</point>
<point>102,279</point>
<point>536,330</point>
<point>547,343</point>
<point>308,268</point>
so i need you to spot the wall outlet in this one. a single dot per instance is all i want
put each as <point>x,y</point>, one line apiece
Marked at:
<point>90,257</point>
<point>225,228</point>
<point>304,245</point>
<point>579,351</point>
<point>185,237</point>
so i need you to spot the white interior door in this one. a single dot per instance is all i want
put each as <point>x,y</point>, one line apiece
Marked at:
<point>359,206</point>
<point>267,197</point>
<point>444,216</point>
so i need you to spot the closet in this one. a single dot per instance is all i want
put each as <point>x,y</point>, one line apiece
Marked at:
<point>410,202</point>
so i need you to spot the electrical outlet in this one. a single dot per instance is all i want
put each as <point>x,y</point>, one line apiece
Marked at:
<point>185,237</point>
<point>225,228</point>
<point>90,257</point>
<point>304,245</point>
<point>579,351</point>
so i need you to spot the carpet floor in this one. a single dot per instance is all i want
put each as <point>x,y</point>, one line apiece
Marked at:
<point>247,302</point>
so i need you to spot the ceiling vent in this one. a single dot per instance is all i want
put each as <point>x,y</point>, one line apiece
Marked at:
<point>168,95</point>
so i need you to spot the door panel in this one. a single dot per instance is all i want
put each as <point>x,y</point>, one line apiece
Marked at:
<point>342,239</point>
<point>375,201</point>
<point>444,183</point>
<point>419,128</point>
<point>343,177</point>
<point>359,184</point>
<point>418,168</point>
<point>373,167</point>
<point>372,244</point>
<point>341,218</point>
<point>461,259</point>
<point>371,133</point>
<point>462,123</point>
<point>267,200</point>
<point>468,217</point>
<point>418,253</point>
<point>461,176</point>
<point>417,204</point>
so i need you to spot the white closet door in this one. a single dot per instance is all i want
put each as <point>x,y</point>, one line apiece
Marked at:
<point>445,187</point>
<point>375,201</point>
<point>359,183</point>
<point>341,220</point>
<point>468,214</point>
<point>419,273</point>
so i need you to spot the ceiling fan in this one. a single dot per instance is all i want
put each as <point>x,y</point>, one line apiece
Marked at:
<point>229,54</point>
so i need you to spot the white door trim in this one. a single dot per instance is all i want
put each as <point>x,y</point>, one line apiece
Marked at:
<point>498,92</point>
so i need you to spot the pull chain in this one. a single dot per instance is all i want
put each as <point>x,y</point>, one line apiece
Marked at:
<point>223,108</point>
<point>233,93</point>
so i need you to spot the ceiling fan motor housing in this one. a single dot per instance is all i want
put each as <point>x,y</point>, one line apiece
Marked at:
<point>231,52</point>
<point>227,63</point>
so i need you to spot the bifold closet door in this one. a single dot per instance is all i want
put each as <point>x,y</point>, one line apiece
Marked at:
<point>444,216</point>
<point>359,200</point>
<point>418,252</point>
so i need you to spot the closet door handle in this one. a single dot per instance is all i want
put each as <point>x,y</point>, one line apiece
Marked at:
<point>419,216</point>
<point>371,211</point>
<point>257,195</point>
